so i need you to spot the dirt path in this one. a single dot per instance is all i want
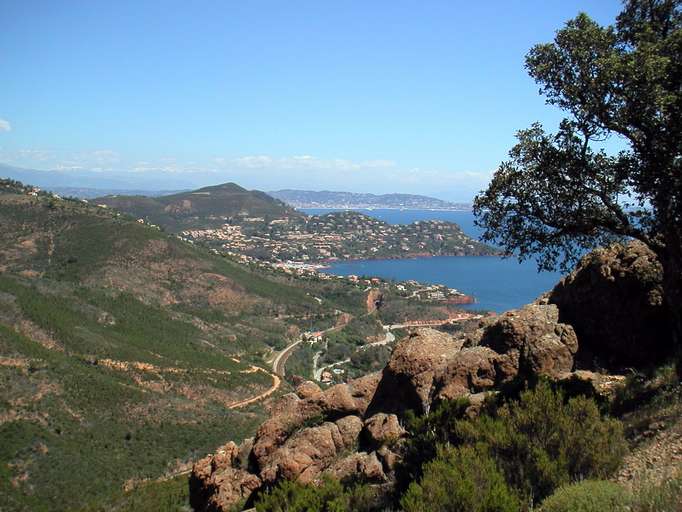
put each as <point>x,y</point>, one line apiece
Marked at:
<point>276,382</point>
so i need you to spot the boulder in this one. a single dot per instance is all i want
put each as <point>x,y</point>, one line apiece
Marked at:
<point>407,380</point>
<point>276,430</point>
<point>472,371</point>
<point>216,485</point>
<point>337,401</point>
<point>307,389</point>
<point>534,340</point>
<point>383,429</point>
<point>614,302</point>
<point>360,465</point>
<point>308,452</point>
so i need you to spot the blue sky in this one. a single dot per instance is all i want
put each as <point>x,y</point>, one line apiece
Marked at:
<point>382,96</point>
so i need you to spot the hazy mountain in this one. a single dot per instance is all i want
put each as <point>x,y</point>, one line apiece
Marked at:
<point>329,199</point>
<point>105,181</point>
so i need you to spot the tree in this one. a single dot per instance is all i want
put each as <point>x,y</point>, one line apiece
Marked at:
<point>560,194</point>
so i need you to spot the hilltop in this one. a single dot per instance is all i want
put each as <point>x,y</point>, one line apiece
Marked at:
<point>203,208</point>
<point>350,200</point>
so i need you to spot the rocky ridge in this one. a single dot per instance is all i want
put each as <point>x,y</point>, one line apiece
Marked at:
<point>354,430</point>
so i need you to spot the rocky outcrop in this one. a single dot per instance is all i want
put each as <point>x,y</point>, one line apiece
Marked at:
<point>355,430</point>
<point>306,454</point>
<point>383,430</point>
<point>218,483</point>
<point>407,380</point>
<point>535,338</point>
<point>431,365</point>
<point>310,432</point>
<point>614,302</point>
<point>375,299</point>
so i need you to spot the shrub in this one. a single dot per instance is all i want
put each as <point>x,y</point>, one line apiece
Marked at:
<point>462,479</point>
<point>330,496</point>
<point>541,442</point>
<point>588,496</point>
<point>425,434</point>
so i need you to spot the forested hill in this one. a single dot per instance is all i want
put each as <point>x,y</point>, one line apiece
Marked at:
<point>202,208</point>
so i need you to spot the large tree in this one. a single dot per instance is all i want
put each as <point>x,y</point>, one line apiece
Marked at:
<point>560,194</point>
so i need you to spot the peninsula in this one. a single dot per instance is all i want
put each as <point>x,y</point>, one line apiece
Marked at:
<point>350,200</point>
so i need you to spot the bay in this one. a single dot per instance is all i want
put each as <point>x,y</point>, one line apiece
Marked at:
<point>497,284</point>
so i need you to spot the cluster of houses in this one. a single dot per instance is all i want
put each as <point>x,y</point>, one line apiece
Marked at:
<point>340,235</point>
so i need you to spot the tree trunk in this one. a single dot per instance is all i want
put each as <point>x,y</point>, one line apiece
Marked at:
<point>671,259</point>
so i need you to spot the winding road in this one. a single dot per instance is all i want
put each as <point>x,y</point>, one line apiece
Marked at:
<point>278,364</point>
<point>389,337</point>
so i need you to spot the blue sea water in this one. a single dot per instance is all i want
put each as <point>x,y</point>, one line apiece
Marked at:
<point>497,284</point>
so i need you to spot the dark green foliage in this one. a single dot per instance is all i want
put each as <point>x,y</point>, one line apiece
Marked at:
<point>156,496</point>
<point>370,360</point>
<point>561,194</point>
<point>541,442</point>
<point>330,496</point>
<point>397,310</point>
<point>426,433</point>
<point>344,343</point>
<point>464,479</point>
<point>589,496</point>
<point>300,362</point>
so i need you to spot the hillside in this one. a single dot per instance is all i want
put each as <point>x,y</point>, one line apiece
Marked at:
<point>328,199</point>
<point>202,208</point>
<point>339,236</point>
<point>124,352</point>
<point>514,412</point>
<point>236,221</point>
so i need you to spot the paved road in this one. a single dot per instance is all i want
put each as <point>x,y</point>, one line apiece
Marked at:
<point>278,364</point>
<point>389,337</point>
<point>281,359</point>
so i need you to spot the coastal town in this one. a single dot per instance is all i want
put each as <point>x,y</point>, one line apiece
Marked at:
<point>336,236</point>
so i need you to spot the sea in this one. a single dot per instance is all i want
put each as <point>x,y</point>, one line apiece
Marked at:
<point>497,284</point>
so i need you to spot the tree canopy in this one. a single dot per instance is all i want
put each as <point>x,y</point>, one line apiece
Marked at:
<point>562,193</point>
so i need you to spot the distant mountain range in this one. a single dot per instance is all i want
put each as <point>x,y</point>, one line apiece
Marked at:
<point>329,199</point>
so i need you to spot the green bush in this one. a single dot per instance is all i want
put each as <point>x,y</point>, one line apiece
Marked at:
<point>462,479</point>
<point>330,496</point>
<point>588,496</point>
<point>542,442</point>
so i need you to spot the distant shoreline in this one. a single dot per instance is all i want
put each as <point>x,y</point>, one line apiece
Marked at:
<point>370,208</point>
<point>329,263</point>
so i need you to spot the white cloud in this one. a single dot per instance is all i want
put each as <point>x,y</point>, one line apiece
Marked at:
<point>300,162</point>
<point>5,126</point>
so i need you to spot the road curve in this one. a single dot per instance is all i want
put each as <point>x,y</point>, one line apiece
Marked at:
<point>276,382</point>
<point>281,359</point>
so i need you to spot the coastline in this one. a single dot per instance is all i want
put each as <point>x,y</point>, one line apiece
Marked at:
<point>327,263</point>
<point>371,208</point>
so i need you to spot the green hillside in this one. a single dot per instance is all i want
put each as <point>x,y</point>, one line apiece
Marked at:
<point>123,349</point>
<point>205,207</point>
